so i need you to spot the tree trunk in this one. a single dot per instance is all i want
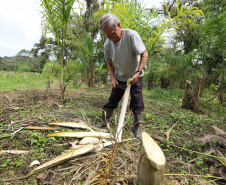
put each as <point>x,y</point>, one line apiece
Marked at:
<point>48,84</point>
<point>164,82</point>
<point>221,97</point>
<point>150,80</point>
<point>91,82</point>
<point>151,162</point>
<point>203,81</point>
<point>62,82</point>
<point>85,75</point>
<point>62,87</point>
<point>76,83</point>
<point>187,96</point>
<point>197,90</point>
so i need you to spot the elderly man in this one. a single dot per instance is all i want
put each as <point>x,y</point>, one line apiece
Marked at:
<point>126,57</point>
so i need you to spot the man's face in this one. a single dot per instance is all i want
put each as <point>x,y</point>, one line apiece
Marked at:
<point>113,34</point>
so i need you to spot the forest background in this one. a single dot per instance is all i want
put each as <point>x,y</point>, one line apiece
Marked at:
<point>183,39</point>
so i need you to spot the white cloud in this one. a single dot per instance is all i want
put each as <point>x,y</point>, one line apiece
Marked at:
<point>152,4</point>
<point>20,25</point>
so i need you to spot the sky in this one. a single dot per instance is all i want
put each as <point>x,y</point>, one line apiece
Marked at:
<point>20,24</point>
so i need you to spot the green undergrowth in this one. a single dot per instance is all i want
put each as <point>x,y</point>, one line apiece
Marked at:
<point>21,80</point>
<point>38,107</point>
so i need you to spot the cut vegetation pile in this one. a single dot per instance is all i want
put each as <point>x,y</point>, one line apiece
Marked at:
<point>193,143</point>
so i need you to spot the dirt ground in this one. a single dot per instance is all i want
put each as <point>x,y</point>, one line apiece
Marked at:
<point>192,132</point>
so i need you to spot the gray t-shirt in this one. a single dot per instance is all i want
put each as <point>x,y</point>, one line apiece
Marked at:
<point>125,54</point>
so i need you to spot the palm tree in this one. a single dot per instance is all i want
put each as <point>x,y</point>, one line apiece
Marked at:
<point>150,27</point>
<point>215,27</point>
<point>55,19</point>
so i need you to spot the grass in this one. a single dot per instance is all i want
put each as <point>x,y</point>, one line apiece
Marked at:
<point>24,80</point>
<point>23,102</point>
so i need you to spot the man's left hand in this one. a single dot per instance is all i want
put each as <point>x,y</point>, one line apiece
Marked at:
<point>134,79</point>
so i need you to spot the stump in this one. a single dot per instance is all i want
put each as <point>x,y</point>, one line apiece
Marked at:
<point>196,94</point>
<point>151,162</point>
<point>187,96</point>
<point>164,82</point>
<point>191,102</point>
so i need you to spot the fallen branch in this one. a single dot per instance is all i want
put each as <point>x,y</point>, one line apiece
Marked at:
<point>208,138</point>
<point>180,161</point>
<point>218,130</point>
<point>169,131</point>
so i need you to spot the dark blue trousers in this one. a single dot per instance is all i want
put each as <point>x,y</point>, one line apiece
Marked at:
<point>136,103</point>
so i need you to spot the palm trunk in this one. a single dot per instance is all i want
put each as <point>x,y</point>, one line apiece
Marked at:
<point>187,96</point>
<point>196,95</point>
<point>58,11</point>
<point>203,80</point>
<point>151,164</point>
<point>221,97</point>
<point>62,52</point>
<point>91,82</point>
<point>62,73</point>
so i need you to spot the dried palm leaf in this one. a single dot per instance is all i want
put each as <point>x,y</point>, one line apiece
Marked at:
<point>39,128</point>
<point>15,151</point>
<point>88,140</point>
<point>64,157</point>
<point>72,124</point>
<point>80,134</point>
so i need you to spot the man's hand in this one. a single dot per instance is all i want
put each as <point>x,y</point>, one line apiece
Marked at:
<point>113,82</point>
<point>111,70</point>
<point>143,61</point>
<point>134,79</point>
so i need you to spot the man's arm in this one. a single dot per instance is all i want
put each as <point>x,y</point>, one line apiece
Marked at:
<point>111,71</point>
<point>143,61</point>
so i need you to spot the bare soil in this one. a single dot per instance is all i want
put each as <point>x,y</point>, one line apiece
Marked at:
<point>32,107</point>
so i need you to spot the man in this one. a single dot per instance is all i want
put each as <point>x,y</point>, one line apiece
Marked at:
<point>126,57</point>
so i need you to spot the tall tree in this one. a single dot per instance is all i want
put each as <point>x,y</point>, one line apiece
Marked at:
<point>148,24</point>
<point>92,29</point>
<point>214,32</point>
<point>56,14</point>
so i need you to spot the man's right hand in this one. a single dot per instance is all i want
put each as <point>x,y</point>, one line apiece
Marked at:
<point>113,82</point>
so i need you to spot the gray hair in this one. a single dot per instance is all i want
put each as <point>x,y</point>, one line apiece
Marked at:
<point>108,19</point>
